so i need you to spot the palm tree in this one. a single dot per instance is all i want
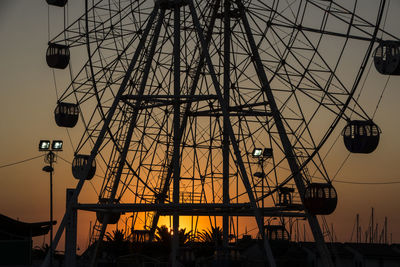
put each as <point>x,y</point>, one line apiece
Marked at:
<point>116,243</point>
<point>213,235</point>
<point>164,235</point>
<point>184,237</point>
<point>117,236</point>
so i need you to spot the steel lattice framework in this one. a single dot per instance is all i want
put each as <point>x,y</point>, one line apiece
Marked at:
<point>175,95</point>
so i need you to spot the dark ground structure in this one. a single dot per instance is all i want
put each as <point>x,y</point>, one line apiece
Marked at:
<point>16,240</point>
<point>245,252</point>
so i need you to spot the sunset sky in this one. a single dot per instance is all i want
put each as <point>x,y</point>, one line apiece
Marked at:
<point>28,98</point>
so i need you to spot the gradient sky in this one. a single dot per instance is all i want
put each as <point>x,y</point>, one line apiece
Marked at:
<point>27,101</point>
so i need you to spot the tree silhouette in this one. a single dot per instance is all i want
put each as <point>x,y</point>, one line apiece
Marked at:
<point>213,235</point>
<point>117,236</point>
<point>164,235</point>
<point>184,236</point>
<point>116,243</point>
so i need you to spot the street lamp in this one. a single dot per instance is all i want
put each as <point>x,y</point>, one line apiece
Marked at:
<point>257,152</point>
<point>44,145</point>
<point>262,155</point>
<point>57,145</point>
<point>50,158</point>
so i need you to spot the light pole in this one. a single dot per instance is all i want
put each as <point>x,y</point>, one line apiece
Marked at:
<point>262,155</point>
<point>50,158</point>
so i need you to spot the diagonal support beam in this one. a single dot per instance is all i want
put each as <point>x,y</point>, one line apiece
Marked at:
<point>103,131</point>
<point>245,178</point>
<point>131,128</point>
<point>287,146</point>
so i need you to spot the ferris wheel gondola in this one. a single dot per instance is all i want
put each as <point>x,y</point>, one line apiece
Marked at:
<point>387,58</point>
<point>320,198</point>
<point>112,217</point>
<point>80,165</point>
<point>66,114</point>
<point>59,3</point>
<point>361,136</point>
<point>57,56</point>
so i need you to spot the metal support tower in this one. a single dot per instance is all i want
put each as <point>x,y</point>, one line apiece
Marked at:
<point>70,232</point>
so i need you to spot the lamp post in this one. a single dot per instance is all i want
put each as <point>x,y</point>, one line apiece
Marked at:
<point>262,155</point>
<point>50,158</point>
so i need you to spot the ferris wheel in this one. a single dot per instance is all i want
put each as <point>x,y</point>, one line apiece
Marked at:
<point>216,108</point>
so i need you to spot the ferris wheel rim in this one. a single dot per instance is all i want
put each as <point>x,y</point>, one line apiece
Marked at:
<point>323,140</point>
<point>320,144</point>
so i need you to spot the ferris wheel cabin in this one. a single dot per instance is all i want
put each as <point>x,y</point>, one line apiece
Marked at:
<point>57,56</point>
<point>66,114</point>
<point>320,198</point>
<point>79,165</point>
<point>113,217</point>
<point>59,3</point>
<point>387,58</point>
<point>361,136</point>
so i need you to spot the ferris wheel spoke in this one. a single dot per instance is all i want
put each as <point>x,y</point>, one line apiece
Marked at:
<point>286,77</point>
<point>335,102</point>
<point>81,87</point>
<point>135,114</point>
<point>329,100</point>
<point>107,82</point>
<point>291,21</point>
<point>76,31</point>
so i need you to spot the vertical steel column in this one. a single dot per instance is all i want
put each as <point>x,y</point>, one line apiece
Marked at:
<point>176,125</point>
<point>70,232</point>
<point>287,146</point>
<point>51,158</point>
<point>225,141</point>
<point>262,195</point>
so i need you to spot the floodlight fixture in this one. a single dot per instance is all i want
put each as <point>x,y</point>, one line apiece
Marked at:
<point>57,145</point>
<point>267,153</point>
<point>257,152</point>
<point>44,145</point>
